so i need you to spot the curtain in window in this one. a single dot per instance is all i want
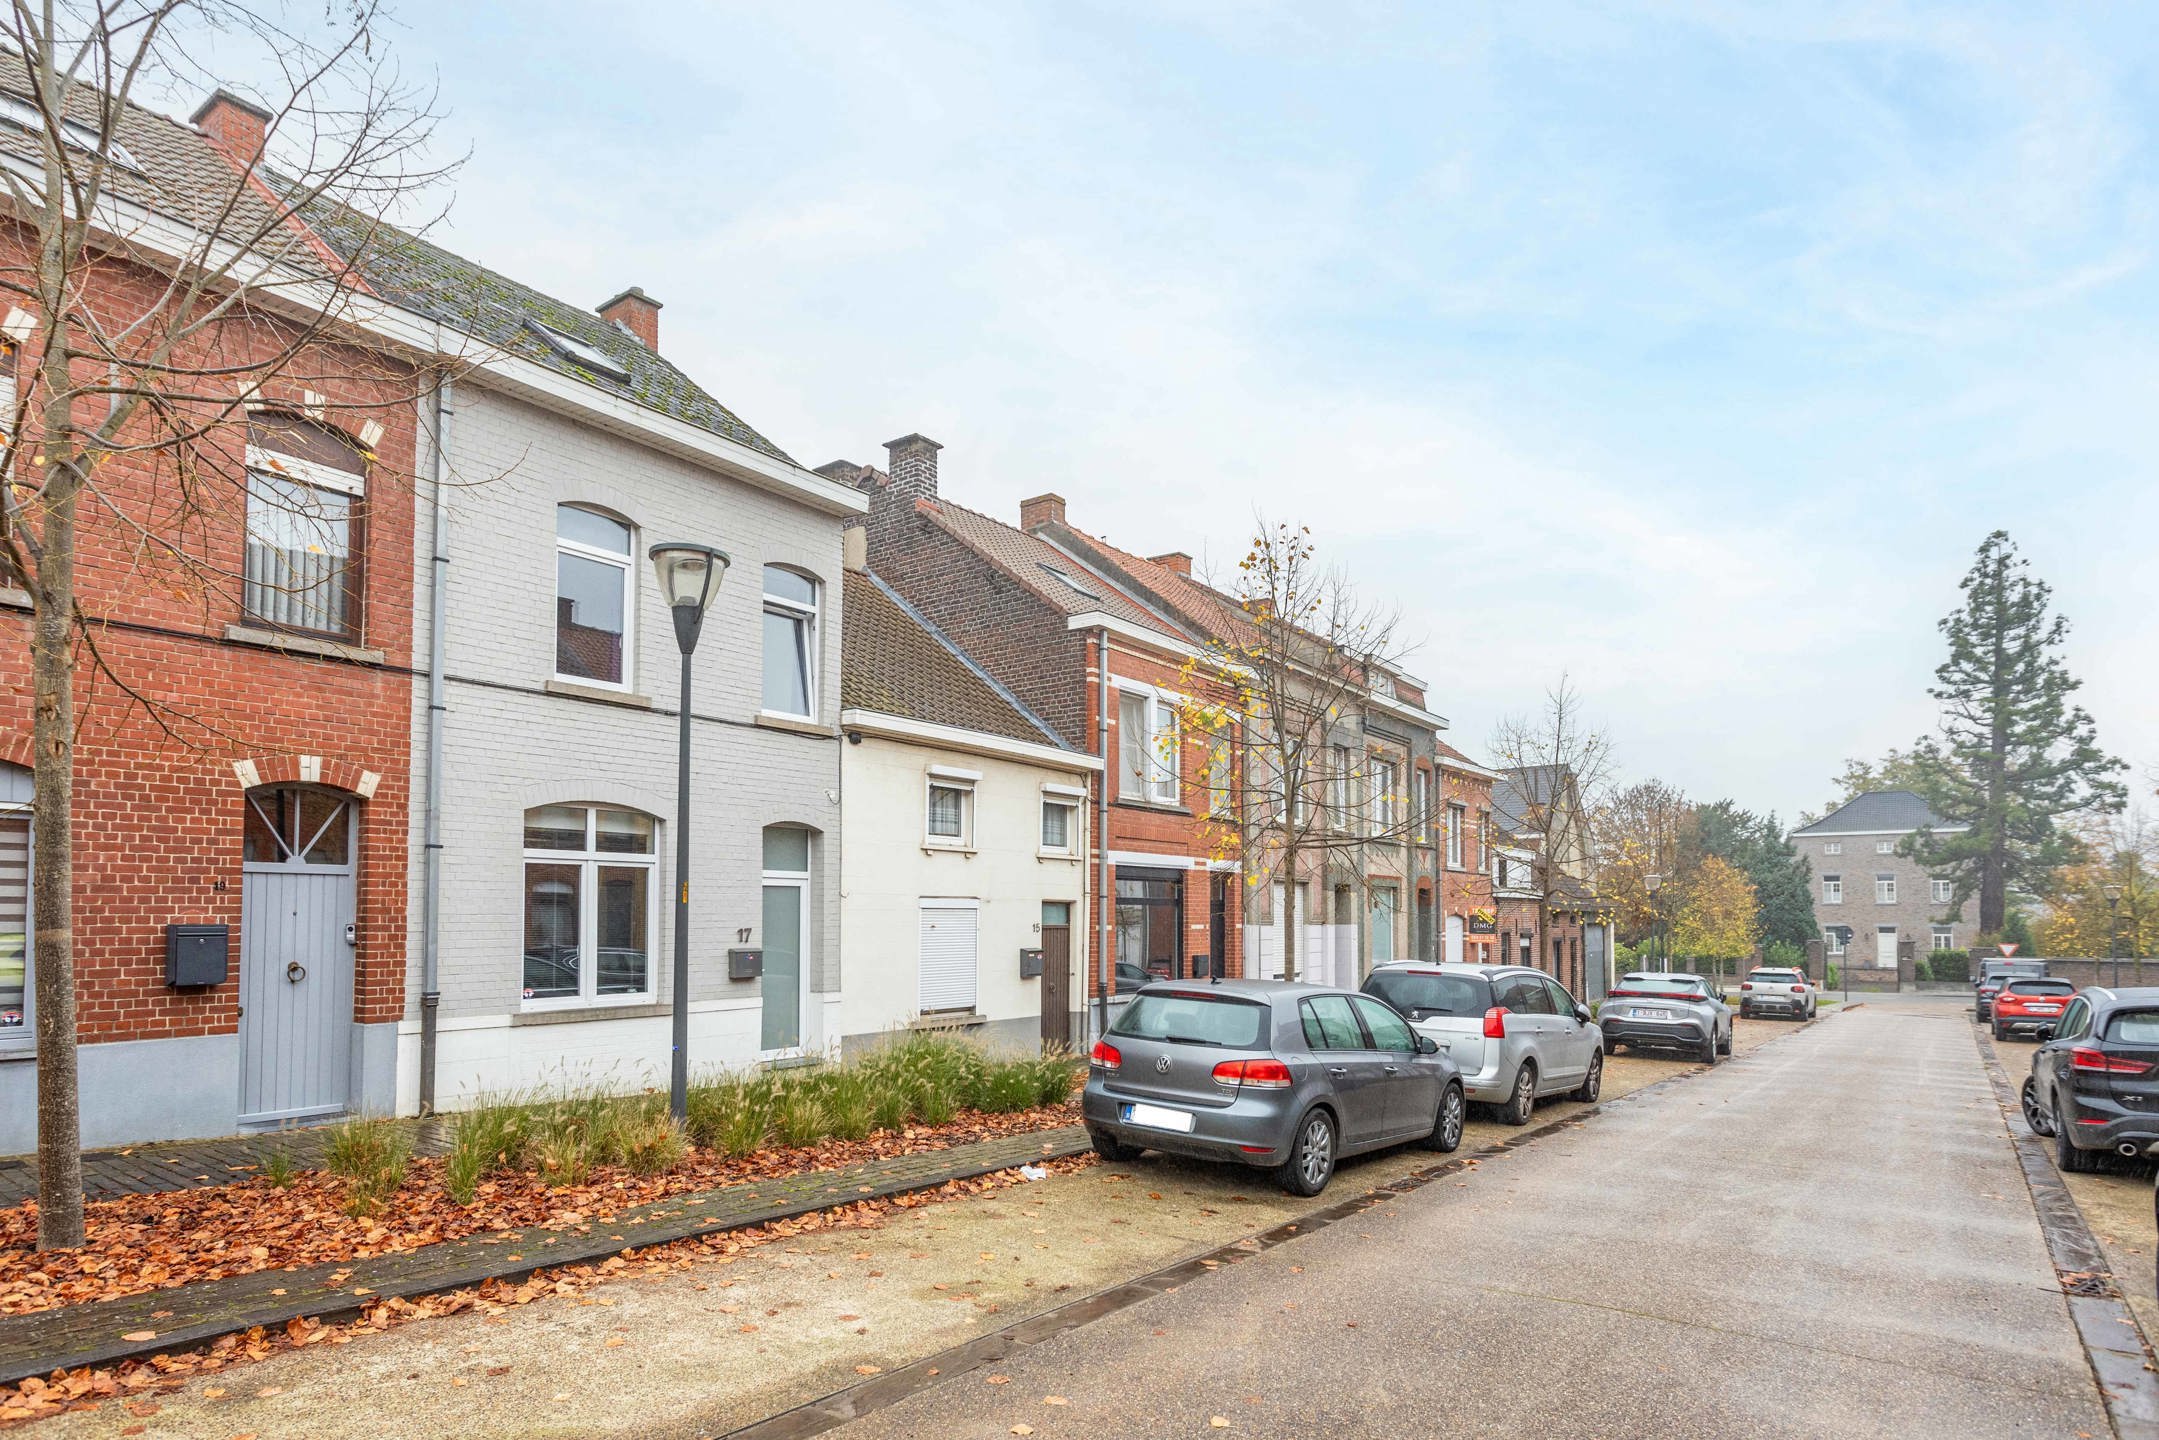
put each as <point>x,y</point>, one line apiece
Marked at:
<point>1132,746</point>
<point>299,553</point>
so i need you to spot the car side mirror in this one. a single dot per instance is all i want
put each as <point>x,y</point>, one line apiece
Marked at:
<point>1581,1013</point>
<point>1426,1045</point>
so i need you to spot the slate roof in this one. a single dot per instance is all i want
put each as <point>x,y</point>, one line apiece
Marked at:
<point>1517,790</point>
<point>895,662</point>
<point>184,176</point>
<point>1880,812</point>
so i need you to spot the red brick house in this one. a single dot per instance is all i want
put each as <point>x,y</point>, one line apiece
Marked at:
<point>259,773</point>
<point>1468,920</point>
<point>1051,627</point>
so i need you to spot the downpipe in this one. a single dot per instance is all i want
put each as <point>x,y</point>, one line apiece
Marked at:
<point>437,648</point>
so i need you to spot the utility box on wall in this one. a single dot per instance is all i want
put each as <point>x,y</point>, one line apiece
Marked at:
<point>745,964</point>
<point>1030,964</point>
<point>197,954</point>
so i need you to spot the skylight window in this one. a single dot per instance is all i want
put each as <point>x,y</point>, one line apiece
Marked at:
<point>1061,575</point>
<point>23,115</point>
<point>577,352</point>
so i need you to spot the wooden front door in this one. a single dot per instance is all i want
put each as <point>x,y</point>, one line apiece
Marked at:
<point>1057,973</point>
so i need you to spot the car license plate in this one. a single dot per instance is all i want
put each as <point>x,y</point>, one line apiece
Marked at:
<point>1651,1015</point>
<point>1156,1117</point>
<point>2044,1009</point>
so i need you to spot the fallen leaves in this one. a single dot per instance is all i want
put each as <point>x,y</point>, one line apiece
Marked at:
<point>869,1370</point>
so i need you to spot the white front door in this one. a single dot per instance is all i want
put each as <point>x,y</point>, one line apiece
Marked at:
<point>1885,946</point>
<point>1454,939</point>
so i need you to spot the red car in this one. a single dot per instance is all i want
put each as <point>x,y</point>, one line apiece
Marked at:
<point>2031,1007</point>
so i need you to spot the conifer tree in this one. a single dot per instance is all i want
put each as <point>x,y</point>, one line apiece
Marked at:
<point>2014,757</point>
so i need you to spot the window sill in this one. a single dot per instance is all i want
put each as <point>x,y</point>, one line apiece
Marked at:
<point>14,599</point>
<point>569,1012</point>
<point>1065,855</point>
<point>13,1055</point>
<point>577,691</point>
<point>1157,806</point>
<point>794,725</point>
<point>949,1020</point>
<point>302,645</point>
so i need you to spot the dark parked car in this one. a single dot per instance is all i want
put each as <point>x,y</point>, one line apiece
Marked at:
<point>1282,1077</point>
<point>2094,1085</point>
<point>2030,1007</point>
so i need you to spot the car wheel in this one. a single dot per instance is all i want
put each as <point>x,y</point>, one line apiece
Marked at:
<point>1613,1047</point>
<point>2067,1157</point>
<point>1999,1032</point>
<point>1311,1156</point>
<point>1446,1134</point>
<point>1727,1041</point>
<point>2035,1114</point>
<point>1523,1101</point>
<point>1593,1083</point>
<point>1111,1149</point>
<point>1708,1054</point>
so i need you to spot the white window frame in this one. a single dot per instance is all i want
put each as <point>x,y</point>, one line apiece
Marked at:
<point>626,562</point>
<point>590,861</point>
<point>1420,782</point>
<point>276,465</point>
<point>961,783</point>
<point>1832,847</point>
<point>1162,774</point>
<point>1457,822</point>
<point>1943,938</point>
<point>1833,939</point>
<point>1386,798</point>
<point>1070,799</point>
<point>799,882</point>
<point>809,617</point>
<point>1885,889</point>
<point>1885,847</point>
<point>1941,890</point>
<point>23,1038</point>
<point>1338,789</point>
<point>1832,889</point>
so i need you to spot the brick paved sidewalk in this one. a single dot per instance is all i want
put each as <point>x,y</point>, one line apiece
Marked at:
<point>192,1164</point>
<point>49,1340</point>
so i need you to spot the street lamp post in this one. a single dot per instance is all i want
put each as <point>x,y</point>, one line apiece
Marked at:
<point>2114,929</point>
<point>1654,883</point>
<point>689,573</point>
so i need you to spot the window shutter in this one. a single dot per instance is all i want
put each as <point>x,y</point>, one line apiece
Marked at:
<point>948,957</point>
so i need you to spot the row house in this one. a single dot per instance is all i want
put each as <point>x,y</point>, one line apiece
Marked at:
<point>1463,821</point>
<point>1548,914</point>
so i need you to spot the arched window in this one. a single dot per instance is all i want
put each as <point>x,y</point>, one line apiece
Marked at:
<point>589,897</point>
<point>305,484</point>
<point>790,643</point>
<point>14,904</point>
<point>595,596</point>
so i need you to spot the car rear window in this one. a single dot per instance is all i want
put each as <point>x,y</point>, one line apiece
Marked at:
<point>2040,987</point>
<point>1657,985</point>
<point>1421,993</point>
<point>1775,977</point>
<point>1186,1018</point>
<point>2135,1027</point>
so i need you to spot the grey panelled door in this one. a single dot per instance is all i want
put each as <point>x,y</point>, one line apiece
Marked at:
<point>296,955</point>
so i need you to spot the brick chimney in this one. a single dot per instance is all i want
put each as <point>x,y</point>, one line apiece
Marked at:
<point>241,127</point>
<point>637,312</point>
<point>1039,510</point>
<point>913,467</point>
<point>1175,560</point>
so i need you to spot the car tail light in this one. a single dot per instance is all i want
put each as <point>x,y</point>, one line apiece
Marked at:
<point>1495,1024</point>
<point>2083,1059</point>
<point>1799,989</point>
<point>1261,1074</point>
<point>1105,1055</point>
<point>1746,987</point>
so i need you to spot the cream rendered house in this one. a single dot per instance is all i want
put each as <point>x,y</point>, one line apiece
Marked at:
<point>964,859</point>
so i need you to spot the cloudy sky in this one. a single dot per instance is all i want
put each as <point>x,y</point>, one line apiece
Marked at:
<point>1687,349</point>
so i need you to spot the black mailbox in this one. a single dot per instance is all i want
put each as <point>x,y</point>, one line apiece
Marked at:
<point>1030,964</point>
<point>197,954</point>
<point>745,964</point>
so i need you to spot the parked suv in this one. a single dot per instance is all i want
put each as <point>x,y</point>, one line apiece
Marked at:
<point>2094,1085</point>
<point>1515,1033</point>
<point>1993,975</point>
<point>2030,1007</point>
<point>1776,991</point>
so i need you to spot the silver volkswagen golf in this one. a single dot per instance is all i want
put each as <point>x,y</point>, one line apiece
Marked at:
<point>1515,1033</point>
<point>1283,1077</point>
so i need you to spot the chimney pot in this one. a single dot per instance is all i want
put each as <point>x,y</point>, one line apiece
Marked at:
<point>1039,510</point>
<point>638,313</point>
<point>1175,560</point>
<point>913,466</point>
<point>241,127</point>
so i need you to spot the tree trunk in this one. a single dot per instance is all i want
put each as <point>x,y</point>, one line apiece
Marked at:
<point>1289,907</point>
<point>1993,892</point>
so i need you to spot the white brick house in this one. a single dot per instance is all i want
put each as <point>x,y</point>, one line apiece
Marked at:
<point>552,927</point>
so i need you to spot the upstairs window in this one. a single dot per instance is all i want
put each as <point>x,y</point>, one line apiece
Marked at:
<point>790,644</point>
<point>1147,747</point>
<point>950,823</point>
<point>1060,821</point>
<point>595,593</point>
<point>1832,847</point>
<point>1942,889</point>
<point>1832,889</point>
<point>305,485</point>
<point>1885,889</point>
<point>1457,821</point>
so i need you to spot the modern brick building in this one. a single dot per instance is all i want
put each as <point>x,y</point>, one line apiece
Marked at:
<point>1867,894</point>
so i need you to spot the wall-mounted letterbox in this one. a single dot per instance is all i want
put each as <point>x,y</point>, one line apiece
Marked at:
<point>1030,964</point>
<point>197,954</point>
<point>745,964</point>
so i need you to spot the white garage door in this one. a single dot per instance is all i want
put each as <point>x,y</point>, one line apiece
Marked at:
<point>948,955</point>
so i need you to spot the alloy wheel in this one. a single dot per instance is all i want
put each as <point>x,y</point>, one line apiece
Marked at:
<point>1315,1156</point>
<point>2034,1114</point>
<point>1450,1119</point>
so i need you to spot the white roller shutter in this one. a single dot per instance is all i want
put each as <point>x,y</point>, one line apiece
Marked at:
<point>948,955</point>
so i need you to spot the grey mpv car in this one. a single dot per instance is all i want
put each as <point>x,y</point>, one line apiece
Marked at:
<point>1516,1033</point>
<point>1284,1077</point>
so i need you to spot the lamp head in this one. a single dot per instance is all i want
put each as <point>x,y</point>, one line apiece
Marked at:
<point>689,576</point>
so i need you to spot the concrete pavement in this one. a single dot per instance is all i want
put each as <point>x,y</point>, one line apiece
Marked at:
<point>1831,1237</point>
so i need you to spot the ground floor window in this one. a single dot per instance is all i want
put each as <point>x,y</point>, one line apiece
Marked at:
<point>14,903</point>
<point>948,955</point>
<point>1944,938</point>
<point>589,904</point>
<point>1150,923</point>
<point>1837,938</point>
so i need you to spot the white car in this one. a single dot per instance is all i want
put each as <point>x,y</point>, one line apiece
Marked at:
<point>1516,1035</point>
<point>1777,991</point>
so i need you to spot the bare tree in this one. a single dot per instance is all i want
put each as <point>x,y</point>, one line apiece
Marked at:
<point>1292,781</point>
<point>164,298</point>
<point>1562,766</point>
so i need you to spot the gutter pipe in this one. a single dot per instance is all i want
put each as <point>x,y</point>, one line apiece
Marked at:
<point>437,645</point>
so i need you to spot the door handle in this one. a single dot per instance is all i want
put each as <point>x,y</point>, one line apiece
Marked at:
<point>1337,1070</point>
<point>295,971</point>
<point>1394,1069</point>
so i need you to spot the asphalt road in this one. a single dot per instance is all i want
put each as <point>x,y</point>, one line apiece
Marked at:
<point>1828,1237</point>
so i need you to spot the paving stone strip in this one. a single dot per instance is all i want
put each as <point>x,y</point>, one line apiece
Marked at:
<point>186,1315</point>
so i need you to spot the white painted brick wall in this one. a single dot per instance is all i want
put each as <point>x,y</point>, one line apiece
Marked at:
<point>509,745</point>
